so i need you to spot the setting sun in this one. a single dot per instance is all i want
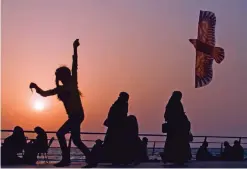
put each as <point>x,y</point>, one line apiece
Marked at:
<point>39,105</point>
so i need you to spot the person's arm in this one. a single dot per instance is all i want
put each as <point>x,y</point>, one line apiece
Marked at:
<point>75,61</point>
<point>166,114</point>
<point>47,92</point>
<point>126,109</point>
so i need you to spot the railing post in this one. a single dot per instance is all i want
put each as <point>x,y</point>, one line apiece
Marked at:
<point>153,149</point>
<point>70,140</point>
<point>240,139</point>
<point>205,139</point>
<point>221,148</point>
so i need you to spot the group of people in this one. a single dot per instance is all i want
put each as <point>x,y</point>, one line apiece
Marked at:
<point>102,153</point>
<point>122,133</point>
<point>122,144</point>
<point>230,153</point>
<point>122,136</point>
<point>17,143</point>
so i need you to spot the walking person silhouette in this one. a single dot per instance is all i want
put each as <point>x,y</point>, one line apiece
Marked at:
<point>69,94</point>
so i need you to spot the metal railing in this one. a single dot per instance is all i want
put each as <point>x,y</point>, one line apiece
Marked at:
<point>153,142</point>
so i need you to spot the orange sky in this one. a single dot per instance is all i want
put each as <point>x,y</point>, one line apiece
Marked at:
<point>140,47</point>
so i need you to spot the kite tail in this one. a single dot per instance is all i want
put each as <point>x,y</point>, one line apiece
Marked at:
<point>219,54</point>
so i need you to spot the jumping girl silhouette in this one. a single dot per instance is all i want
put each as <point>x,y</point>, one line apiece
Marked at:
<point>69,94</point>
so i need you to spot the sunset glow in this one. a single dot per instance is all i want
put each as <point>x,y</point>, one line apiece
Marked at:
<point>140,47</point>
<point>39,105</point>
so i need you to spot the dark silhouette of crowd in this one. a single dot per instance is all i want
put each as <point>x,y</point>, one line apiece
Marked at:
<point>233,153</point>
<point>122,134</point>
<point>17,144</point>
<point>230,153</point>
<point>13,145</point>
<point>122,144</point>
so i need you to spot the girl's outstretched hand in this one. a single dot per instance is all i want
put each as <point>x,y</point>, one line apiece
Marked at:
<point>76,43</point>
<point>32,85</point>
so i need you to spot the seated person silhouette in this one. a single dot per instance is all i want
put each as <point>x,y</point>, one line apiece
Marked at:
<point>144,149</point>
<point>237,151</point>
<point>13,145</point>
<point>41,141</point>
<point>203,154</point>
<point>131,141</point>
<point>36,146</point>
<point>227,153</point>
<point>97,150</point>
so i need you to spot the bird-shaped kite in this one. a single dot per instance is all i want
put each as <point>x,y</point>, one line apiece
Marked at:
<point>206,51</point>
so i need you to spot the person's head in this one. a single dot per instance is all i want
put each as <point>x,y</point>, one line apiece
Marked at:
<point>123,96</point>
<point>145,139</point>
<point>18,131</point>
<point>39,130</point>
<point>63,74</point>
<point>177,95</point>
<point>205,144</point>
<point>175,98</point>
<point>226,144</point>
<point>99,142</point>
<point>132,119</point>
<point>236,142</point>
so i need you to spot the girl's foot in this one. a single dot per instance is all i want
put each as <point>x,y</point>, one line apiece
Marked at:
<point>90,166</point>
<point>91,163</point>
<point>62,163</point>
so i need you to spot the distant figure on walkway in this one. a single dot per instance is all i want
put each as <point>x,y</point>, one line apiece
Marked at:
<point>13,145</point>
<point>131,142</point>
<point>237,151</point>
<point>144,149</point>
<point>177,127</point>
<point>113,143</point>
<point>203,154</point>
<point>227,153</point>
<point>69,94</point>
<point>97,151</point>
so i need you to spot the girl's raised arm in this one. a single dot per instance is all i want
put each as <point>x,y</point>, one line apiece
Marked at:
<point>75,61</point>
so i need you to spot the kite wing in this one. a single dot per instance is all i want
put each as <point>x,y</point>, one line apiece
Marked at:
<point>204,71</point>
<point>206,27</point>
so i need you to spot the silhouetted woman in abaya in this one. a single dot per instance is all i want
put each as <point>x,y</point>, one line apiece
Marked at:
<point>115,122</point>
<point>177,148</point>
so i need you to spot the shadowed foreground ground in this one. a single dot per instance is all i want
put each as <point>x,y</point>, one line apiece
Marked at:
<point>194,164</point>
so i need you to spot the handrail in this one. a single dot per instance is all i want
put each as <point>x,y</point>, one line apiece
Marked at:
<point>151,135</point>
<point>154,146</point>
<point>151,141</point>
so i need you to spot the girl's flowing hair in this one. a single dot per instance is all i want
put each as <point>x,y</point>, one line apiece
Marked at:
<point>63,73</point>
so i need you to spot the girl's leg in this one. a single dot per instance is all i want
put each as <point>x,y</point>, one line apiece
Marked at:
<point>63,144</point>
<point>76,136</point>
